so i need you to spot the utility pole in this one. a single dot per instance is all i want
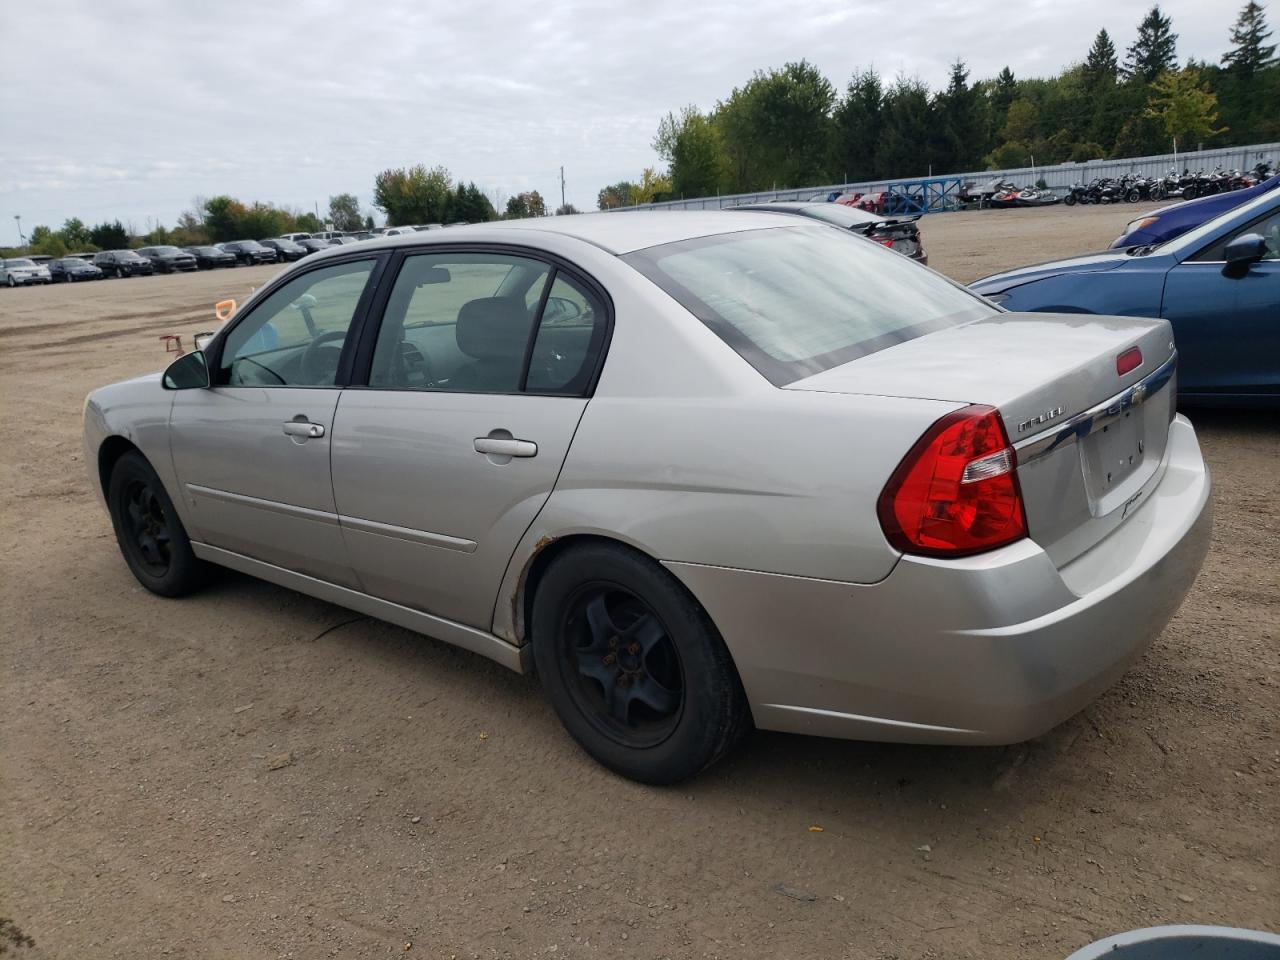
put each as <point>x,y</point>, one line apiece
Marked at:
<point>22,241</point>
<point>562,187</point>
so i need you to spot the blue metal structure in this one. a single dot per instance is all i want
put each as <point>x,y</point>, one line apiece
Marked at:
<point>932,195</point>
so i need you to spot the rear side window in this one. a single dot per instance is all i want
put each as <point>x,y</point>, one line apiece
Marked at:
<point>796,301</point>
<point>487,322</point>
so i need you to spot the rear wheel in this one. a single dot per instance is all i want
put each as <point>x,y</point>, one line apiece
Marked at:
<point>150,535</point>
<point>1069,199</point>
<point>12,282</point>
<point>633,666</point>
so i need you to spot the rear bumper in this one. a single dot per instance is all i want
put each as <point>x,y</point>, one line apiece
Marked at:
<point>991,649</point>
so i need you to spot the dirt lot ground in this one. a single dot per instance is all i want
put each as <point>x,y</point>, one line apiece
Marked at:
<point>433,800</point>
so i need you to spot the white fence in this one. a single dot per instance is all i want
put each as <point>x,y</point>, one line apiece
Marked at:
<point>1058,178</point>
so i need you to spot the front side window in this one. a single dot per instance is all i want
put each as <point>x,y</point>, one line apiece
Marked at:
<point>294,338</point>
<point>795,301</point>
<point>1268,227</point>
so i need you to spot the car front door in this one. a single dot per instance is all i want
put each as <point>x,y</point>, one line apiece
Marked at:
<point>480,374</point>
<point>1227,326</point>
<point>252,451</point>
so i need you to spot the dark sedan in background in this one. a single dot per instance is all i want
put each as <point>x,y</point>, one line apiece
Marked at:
<point>1219,285</point>
<point>286,249</point>
<point>901,234</point>
<point>73,269</point>
<point>168,259</point>
<point>249,252</point>
<point>314,244</point>
<point>209,257</point>
<point>123,263</point>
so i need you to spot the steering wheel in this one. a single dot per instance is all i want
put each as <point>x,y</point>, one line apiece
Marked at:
<point>319,363</point>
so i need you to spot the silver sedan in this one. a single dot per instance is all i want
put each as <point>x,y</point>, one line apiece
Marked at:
<point>699,471</point>
<point>21,272</point>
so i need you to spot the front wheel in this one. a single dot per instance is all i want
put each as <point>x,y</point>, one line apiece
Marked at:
<point>1069,199</point>
<point>633,666</point>
<point>150,535</point>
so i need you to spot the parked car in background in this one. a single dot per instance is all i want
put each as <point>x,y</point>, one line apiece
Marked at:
<point>249,252</point>
<point>169,259</point>
<point>285,249</point>
<point>1177,219</point>
<point>314,244</point>
<point>343,240</point>
<point>399,231</point>
<point>80,256</point>
<point>327,234</point>
<point>295,237</point>
<point>73,269</point>
<point>886,538</point>
<point>1218,285</point>
<point>22,272</point>
<point>900,234</point>
<point>123,263</point>
<point>209,257</point>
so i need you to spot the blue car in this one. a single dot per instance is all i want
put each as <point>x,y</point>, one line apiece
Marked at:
<point>1178,218</point>
<point>1218,284</point>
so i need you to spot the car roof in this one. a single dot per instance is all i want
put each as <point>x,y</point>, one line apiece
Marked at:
<point>618,233</point>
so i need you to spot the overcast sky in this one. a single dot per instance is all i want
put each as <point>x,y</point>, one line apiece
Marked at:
<point>131,111</point>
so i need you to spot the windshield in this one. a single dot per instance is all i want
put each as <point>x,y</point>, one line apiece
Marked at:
<point>165,251</point>
<point>19,263</point>
<point>799,300</point>
<point>250,245</point>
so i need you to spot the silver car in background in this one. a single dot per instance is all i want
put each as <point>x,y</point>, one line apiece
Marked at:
<point>20,272</point>
<point>700,471</point>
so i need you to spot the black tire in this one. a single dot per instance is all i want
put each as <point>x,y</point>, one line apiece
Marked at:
<point>12,282</point>
<point>1069,200</point>
<point>1189,192</point>
<point>1133,196</point>
<point>633,666</point>
<point>148,531</point>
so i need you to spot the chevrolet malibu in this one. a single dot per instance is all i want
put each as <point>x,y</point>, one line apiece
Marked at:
<point>697,470</point>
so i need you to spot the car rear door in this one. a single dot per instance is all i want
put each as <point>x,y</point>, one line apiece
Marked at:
<point>1227,325</point>
<point>477,379</point>
<point>252,451</point>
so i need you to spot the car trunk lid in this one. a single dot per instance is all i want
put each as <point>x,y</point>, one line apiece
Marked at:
<point>1090,440</point>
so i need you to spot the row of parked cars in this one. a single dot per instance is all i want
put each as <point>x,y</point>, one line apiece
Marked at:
<point>25,271</point>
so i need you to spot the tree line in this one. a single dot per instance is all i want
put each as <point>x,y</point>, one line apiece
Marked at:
<point>409,195</point>
<point>791,127</point>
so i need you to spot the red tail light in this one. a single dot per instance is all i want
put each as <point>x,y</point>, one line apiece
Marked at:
<point>1131,359</point>
<point>955,493</point>
<point>887,241</point>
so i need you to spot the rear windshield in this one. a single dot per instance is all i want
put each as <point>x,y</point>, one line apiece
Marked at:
<point>799,300</point>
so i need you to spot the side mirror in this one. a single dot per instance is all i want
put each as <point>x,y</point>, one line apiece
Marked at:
<point>188,372</point>
<point>1243,250</point>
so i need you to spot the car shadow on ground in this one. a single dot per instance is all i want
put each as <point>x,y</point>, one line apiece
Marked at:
<point>764,766</point>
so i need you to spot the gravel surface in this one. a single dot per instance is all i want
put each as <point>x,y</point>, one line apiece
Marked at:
<point>251,773</point>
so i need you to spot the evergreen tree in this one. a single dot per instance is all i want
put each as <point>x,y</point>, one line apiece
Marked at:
<point>1005,91</point>
<point>1101,67</point>
<point>1249,54</point>
<point>959,128</point>
<point>1155,49</point>
<point>857,128</point>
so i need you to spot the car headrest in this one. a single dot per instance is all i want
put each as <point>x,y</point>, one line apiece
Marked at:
<point>493,328</point>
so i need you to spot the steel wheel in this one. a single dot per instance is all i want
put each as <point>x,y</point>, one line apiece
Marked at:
<point>621,666</point>
<point>147,528</point>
